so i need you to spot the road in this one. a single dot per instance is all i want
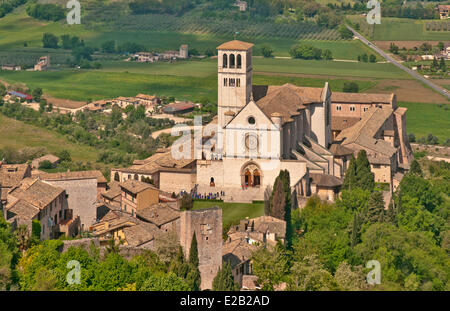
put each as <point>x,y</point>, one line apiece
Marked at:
<point>412,73</point>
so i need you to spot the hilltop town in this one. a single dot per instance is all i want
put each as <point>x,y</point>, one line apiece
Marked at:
<point>294,149</point>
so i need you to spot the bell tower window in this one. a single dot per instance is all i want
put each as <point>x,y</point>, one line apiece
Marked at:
<point>239,61</point>
<point>225,61</point>
<point>225,80</point>
<point>232,61</point>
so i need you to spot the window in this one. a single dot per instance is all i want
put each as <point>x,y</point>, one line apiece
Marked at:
<point>352,108</point>
<point>239,61</point>
<point>365,109</point>
<point>232,61</point>
<point>238,82</point>
<point>225,82</point>
<point>225,61</point>
<point>251,120</point>
<point>338,108</point>
<point>232,82</point>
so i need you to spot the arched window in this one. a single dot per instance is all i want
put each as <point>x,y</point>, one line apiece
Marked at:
<point>136,177</point>
<point>232,61</point>
<point>239,61</point>
<point>225,61</point>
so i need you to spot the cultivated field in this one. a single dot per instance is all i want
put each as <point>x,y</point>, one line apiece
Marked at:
<point>401,29</point>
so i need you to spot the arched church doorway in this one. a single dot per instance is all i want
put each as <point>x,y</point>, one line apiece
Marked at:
<point>256,178</point>
<point>248,178</point>
<point>251,175</point>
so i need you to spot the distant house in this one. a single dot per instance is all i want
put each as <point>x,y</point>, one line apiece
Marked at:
<point>427,57</point>
<point>10,176</point>
<point>242,5</point>
<point>20,95</point>
<point>149,101</point>
<point>444,11</point>
<point>42,64</point>
<point>146,57</point>
<point>97,106</point>
<point>179,107</point>
<point>54,160</point>
<point>123,102</point>
<point>11,67</point>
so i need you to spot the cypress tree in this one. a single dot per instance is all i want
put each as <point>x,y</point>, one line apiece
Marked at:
<point>365,178</point>
<point>356,229</point>
<point>349,182</point>
<point>224,280</point>
<point>278,200</point>
<point>193,277</point>
<point>375,211</point>
<point>193,253</point>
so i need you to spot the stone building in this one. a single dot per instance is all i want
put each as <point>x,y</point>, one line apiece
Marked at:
<point>165,216</point>
<point>137,195</point>
<point>165,172</point>
<point>382,134</point>
<point>33,199</point>
<point>83,189</point>
<point>11,175</point>
<point>207,225</point>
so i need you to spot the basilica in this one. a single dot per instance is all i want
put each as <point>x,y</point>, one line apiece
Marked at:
<point>262,129</point>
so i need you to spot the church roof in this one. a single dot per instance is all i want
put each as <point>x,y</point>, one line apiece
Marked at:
<point>235,45</point>
<point>362,98</point>
<point>363,132</point>
<point>286,99</point>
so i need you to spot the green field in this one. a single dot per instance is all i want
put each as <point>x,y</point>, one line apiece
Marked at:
<point>422,119</point>
<point>85,84</point>
<point>18,135</point>
<point>401,29</point>
<point>233,212</point>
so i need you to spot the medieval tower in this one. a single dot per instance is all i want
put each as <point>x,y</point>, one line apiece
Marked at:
<point>207,225</point>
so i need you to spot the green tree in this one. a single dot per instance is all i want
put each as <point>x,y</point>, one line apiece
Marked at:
<point>327,55</point>
<point>165,282</point>
<point>270,266</point>
<point>372,58</point>
<point>365,178</point>
<point>266,50</point>
<point>345,32</point>
<point>350,180</point>
<point>350,278</point>
<point>375,208</point>
<point>109,46</point>
<point>37,94</point>
<point>50,40</point>
<point>310,275</point>
<point>224,280</point>
<point>193,277</point>
<point>278,200</point>
<point>415,168</point>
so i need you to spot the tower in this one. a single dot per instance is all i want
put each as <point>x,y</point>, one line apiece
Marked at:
<point>234,71</point>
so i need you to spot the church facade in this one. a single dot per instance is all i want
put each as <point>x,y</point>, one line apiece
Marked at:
<point>264,129</point>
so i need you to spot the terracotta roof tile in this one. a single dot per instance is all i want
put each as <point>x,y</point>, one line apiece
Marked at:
<point>235,45</point>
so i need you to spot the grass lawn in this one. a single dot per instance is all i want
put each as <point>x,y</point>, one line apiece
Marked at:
<point>422,119</point>
<point>18,135</point>
<point>233,212</point>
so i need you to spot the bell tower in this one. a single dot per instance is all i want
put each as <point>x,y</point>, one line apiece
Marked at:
<point>234,71</point>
